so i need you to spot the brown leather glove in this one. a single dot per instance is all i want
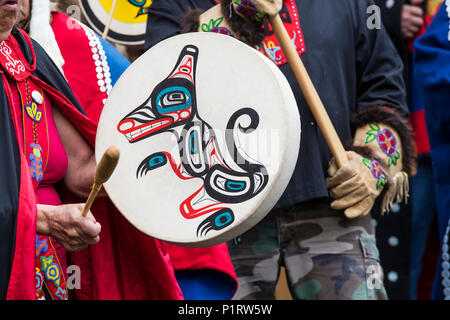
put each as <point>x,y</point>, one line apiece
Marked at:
<point>356,185</point>
<point>382,134</point>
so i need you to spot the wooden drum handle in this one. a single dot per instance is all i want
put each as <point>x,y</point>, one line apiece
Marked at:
<point>312,98</point>
<point>103,172</point>
<point>110,18</point>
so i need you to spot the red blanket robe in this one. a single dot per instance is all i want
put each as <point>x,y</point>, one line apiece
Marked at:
<point>126,264</point>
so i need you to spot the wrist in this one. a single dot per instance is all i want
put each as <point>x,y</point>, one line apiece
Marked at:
<point>44,218</point>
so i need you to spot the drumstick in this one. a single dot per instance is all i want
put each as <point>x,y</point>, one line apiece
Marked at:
<point>103,171</point>
<point>108,24</point>
<point>315,103</point>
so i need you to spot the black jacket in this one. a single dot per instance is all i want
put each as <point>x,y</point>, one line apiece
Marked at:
<point>351,66</point>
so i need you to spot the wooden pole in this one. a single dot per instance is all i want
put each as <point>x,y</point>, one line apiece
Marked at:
<point>312,98</point>
<point>103,172</point>
<point>110,18</point>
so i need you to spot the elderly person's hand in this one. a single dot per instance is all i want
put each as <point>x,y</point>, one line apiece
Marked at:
<point>66,224</point>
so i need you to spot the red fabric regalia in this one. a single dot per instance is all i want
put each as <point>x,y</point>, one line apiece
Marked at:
<point>88,67</point>
<point>126,264</point>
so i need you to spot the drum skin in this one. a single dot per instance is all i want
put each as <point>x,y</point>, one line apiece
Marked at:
<point>209,134</point>
<point>129,23</point>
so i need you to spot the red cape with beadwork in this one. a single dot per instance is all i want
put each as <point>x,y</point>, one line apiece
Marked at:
<point>109,269</point>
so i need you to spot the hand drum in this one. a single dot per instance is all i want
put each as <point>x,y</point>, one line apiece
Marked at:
<point>209,134</point>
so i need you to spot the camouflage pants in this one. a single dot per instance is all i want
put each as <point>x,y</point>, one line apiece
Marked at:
<point>326,256</point>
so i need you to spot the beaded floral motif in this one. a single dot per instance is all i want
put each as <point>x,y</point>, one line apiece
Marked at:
<point>41,246</point>
<point>248,9</point>
<point>39,283</point>
<point>49,274</point>
<point>61,293</point>
<point>33,112</point>
<point>386,141</point>
<point>51,270</point>
<point>214,26</point>
<point>36,163</point>
<point>375,168</point>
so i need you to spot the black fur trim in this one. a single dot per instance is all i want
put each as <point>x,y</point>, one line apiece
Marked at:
<point>399,122</point>
<point>191,21</point>
<point>244,29</point>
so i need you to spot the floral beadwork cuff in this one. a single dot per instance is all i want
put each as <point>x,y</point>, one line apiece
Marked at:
<point>248,9</point>
<point>383,141</point>
<point>385,134</point>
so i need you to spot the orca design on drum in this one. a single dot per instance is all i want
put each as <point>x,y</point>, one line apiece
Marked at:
<point>172,107</point>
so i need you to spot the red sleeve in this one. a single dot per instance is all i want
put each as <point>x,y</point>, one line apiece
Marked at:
<point>215,258</point>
